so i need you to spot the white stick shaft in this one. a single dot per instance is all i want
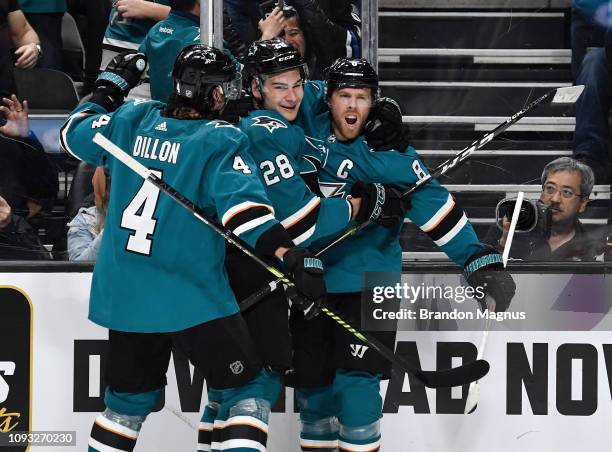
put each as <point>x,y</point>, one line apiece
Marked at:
<point>515,217</point>
<point>124,157</point>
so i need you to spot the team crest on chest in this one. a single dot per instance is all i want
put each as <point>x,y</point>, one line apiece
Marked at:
<point>332,189</point>
<point>269,123</point>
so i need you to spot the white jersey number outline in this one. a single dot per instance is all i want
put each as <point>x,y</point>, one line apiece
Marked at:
<point>239,165</point>
<point>138,217</point>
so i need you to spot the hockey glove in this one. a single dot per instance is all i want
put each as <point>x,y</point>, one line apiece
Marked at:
<point>381,204</point>
<point>309,293</point>
<point>123,73</point>
<point>239,108</point>
<point>486,269</point>
<point>384,129</point>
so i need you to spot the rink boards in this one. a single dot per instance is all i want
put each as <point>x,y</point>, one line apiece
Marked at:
<point>548,390</point>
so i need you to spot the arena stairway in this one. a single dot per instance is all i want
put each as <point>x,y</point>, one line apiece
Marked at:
<point>458,73</point>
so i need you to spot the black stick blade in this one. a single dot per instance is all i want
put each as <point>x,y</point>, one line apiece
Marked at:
<point>457,376</point>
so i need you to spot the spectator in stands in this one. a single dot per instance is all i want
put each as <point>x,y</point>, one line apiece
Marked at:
<point>166,39</point>
<point>86,229</point>
<point>13,25</point>
<point>129,23</point>
<point>18,241</point>
<point>332,30</point>
<point>244,15</point>
<point>92,19</point>
<point>28,177</point>
<point>566,186</point>
<point>45,16</point>
<point>590,68</point>
<point>319,39</point>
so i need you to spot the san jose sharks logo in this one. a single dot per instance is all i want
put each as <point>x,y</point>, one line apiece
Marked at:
<point>269,123</point>
<point>332,189</point>
<point>319,149</point>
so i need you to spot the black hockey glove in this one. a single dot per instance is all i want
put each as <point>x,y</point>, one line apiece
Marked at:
<point>381,204</point>
<point>486,269</point>
<point>384,129</point>
<point>309,292</point>
<point>239,108</point>
<point>123,73</point>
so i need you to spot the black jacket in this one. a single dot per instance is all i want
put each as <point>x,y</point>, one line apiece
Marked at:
<point>18,241</point>
<point>533,246</point>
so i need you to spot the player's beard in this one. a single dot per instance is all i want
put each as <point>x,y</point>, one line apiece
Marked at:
<point>344,127</point>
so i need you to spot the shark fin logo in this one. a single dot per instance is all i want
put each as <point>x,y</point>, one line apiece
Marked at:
<point>269,123</point>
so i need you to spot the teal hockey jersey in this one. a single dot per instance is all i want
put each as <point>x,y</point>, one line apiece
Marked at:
<point>162,44</point>
<point>159,268</point>
<point>277,147</point>
<point>43,6</point>
<point>126,33</point>
<point>377,249</point>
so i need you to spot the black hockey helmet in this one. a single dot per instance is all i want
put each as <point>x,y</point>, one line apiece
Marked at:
<point>272,57</point>
<point>199,68</point>
<point>351,73</point>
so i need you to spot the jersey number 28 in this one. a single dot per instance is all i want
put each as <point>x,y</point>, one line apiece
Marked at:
<point>138,217</point>
<point>269,169</point>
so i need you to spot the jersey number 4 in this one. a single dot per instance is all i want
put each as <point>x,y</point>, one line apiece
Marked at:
<point>138,217</point>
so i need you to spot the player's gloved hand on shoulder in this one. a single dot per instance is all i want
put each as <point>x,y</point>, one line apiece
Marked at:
<point>486,269</point>
<point>380,204</point>
<point>309,292</point>
<point>124,72</point>
<point>239,108</point>
<point>384,129</point>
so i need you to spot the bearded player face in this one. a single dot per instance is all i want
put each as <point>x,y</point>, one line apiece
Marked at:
<point>350,108</point>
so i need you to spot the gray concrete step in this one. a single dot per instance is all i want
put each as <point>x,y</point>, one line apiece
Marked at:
<point>473,29</point>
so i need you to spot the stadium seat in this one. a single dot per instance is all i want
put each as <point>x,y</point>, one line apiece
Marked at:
<point>46,90</point>
<point>74,50</point>
<point>80,188</point>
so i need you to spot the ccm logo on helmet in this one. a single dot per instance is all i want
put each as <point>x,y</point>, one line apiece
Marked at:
<point>285,58</point>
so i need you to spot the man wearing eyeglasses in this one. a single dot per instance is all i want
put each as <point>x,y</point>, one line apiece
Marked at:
<point>566,187</point>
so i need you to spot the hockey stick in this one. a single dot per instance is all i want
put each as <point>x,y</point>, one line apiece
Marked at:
<point>564,95</point>
<point>474,391</point>
<point>452,377</point>
<point>147,175</point>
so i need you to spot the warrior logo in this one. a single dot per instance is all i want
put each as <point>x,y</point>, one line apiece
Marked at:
<point>236,367</point>
<point>269,123</point>
<point>358,350</point>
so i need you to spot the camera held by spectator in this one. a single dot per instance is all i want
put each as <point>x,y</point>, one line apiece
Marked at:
<point>533,216</point>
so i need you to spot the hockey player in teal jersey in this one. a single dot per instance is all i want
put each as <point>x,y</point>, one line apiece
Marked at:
<point>337,387</point>
<point>159,278</point>
<point>276,73</point>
